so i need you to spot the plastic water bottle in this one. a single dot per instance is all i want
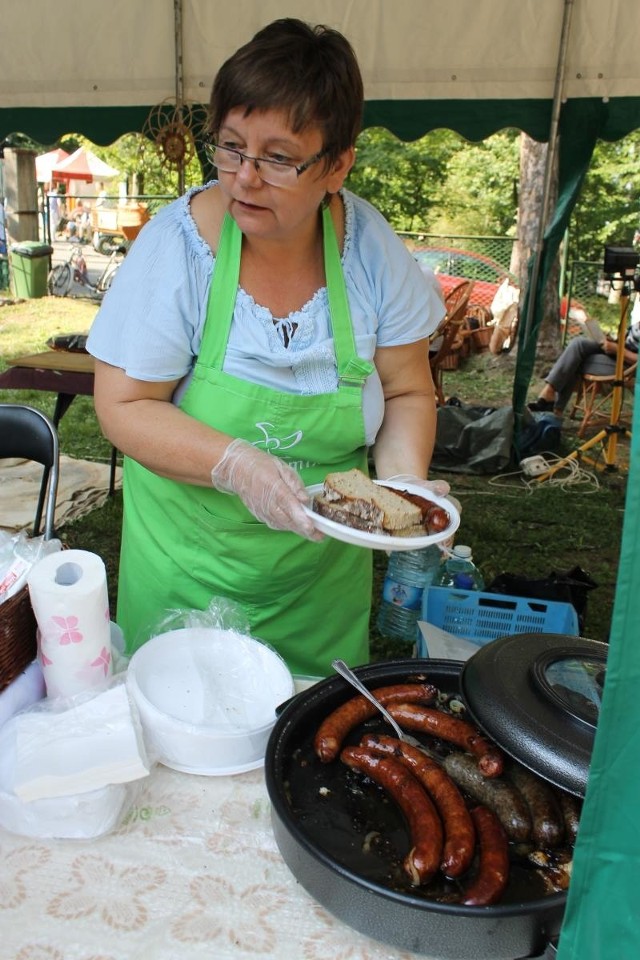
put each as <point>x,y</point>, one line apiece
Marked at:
<point>408,573</point>
<point>458,570</point>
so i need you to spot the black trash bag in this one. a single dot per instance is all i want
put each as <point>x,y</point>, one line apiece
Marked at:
<point>570,587</point>
<point>472,439</point>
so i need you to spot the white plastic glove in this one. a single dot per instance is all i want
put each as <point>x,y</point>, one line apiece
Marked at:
<point>271,490</point>
<point>440,488</point>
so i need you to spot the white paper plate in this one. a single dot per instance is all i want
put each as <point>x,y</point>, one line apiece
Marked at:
<point>381,541</point>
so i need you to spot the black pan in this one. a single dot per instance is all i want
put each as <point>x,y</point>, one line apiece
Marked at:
<point>320,820</point>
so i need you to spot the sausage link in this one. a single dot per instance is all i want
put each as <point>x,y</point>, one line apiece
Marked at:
<point>493,867</point>
<point>336,726</point>
<point>423,859</point>
<point>463,734</point>
<point>571,807</point>
<point>496,793</point>
<point>459,833</point>
<point>547,828</point>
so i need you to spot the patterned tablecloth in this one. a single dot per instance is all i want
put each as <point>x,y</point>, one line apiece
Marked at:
<point>192,872</point>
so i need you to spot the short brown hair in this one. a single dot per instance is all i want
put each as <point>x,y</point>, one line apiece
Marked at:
<point>310,72</point>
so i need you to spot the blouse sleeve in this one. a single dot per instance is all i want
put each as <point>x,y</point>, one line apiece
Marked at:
<point>150,321</point>
<point>404,304</point>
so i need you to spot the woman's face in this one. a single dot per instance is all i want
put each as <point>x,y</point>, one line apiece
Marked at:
<point>260,209</point>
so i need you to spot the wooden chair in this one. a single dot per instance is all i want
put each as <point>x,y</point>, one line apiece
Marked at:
<point>447,337</point>
<point>592,393</point>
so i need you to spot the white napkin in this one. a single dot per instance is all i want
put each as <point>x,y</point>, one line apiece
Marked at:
<point>440,645</point>
<point>88,746</point>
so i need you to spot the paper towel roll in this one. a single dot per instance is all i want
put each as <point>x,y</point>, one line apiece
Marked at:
<point>69,597</point>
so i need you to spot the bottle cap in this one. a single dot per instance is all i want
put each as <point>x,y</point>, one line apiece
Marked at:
<point>462,551</point>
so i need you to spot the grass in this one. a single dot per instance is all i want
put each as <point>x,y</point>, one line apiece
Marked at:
<point>529,530</point>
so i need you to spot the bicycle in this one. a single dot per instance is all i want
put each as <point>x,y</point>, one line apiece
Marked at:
<point>75,269</point>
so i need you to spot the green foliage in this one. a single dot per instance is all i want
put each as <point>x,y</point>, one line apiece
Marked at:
<point>608,210</point>
<point>402,179</point>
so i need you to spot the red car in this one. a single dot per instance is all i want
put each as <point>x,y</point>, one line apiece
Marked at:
<point>452,265</point>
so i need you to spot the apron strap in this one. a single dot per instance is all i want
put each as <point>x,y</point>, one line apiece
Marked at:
<point>222,293</point>
<point>352,370</point>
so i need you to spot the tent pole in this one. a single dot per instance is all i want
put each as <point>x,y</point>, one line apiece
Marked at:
<point>549,163</point>
<point>179,75</point>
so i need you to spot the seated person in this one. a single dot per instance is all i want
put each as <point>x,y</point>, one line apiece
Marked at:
<point>583,355</point>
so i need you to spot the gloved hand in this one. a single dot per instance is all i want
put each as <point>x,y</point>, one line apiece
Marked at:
<point>271,490</point>
<point>440,488</point>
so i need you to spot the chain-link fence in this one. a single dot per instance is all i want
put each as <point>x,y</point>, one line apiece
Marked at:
<point>497,249</point>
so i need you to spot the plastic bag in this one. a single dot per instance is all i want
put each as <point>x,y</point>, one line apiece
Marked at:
<point>69,768</point>
<point>471,439</point>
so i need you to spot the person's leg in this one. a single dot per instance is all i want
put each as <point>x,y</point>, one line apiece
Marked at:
<point>561,378</point>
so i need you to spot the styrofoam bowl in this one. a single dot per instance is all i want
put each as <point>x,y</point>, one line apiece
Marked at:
<point>207,698</point>
<point>79,816</point>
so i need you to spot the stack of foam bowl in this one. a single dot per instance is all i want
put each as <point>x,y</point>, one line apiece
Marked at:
<point>207,699</point>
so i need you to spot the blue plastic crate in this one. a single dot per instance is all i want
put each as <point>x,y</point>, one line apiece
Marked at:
<point>482,617</point>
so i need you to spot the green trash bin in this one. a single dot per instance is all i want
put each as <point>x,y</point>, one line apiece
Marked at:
<point>4,273</point>
<point>30,268</point>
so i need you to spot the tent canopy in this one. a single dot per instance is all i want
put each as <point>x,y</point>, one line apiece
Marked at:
<point>46,162</point>
<point>424,65</point>
<point>83,165</point>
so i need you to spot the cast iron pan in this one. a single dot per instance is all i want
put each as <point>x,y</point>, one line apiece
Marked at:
<point>321,816</point>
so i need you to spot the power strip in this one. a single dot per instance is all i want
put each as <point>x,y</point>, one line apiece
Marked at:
<point>534,466</point>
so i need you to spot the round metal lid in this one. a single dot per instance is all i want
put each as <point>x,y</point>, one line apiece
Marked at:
<point>538,696</point>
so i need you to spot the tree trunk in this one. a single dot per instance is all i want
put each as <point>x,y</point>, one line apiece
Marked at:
<point>532,167</point>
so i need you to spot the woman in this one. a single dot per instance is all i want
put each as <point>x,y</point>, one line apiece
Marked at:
<point>583,355</point>
<point>264,330</point>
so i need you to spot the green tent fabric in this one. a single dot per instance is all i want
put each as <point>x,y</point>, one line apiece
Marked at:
<point>582,123</point>
<point>603,919</point>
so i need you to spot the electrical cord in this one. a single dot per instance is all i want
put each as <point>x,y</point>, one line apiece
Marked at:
<point>571,474</point>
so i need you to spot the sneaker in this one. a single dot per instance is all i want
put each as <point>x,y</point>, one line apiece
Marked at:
<point>545,406</point>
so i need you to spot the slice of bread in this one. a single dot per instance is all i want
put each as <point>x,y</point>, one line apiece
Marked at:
<point>359,502</point>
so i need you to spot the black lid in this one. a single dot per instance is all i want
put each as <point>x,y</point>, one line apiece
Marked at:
<point>538,696</point>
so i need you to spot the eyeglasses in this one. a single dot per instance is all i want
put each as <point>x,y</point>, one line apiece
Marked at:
<point>277,173</point>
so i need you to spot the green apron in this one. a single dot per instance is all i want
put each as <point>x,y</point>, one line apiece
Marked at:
<point>183,545</point>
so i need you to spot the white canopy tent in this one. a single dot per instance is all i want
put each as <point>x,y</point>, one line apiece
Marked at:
<point>567,71</point>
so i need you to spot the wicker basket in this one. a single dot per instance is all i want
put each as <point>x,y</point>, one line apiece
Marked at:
<point>18,645</point>
<point>481,338</point>
<point>451,361</point>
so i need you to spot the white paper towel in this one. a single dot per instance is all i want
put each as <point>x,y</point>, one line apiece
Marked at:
<point>70,601</point>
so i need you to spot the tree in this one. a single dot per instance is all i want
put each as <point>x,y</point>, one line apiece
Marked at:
<point>402,179</point>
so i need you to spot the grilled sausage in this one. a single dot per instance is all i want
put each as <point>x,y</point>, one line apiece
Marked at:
<point>437,520</point>
<point>546,815</point>
<point>463,734</point>
<point>571,807</point>
<point>336,726</point>
<point>423,859</point>
<point>493,867</point>
<point>496,793</point>
<point>459,833</point>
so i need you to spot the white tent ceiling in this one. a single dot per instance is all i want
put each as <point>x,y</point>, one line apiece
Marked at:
<point>72,53</point>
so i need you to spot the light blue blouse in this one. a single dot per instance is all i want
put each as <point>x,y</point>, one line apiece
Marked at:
<point>150,322</point>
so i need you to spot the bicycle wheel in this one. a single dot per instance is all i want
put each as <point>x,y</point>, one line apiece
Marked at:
<point>59,281</point>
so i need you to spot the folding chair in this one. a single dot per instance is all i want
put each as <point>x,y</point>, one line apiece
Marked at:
<point>594,390</point>
<point>28,434</point>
